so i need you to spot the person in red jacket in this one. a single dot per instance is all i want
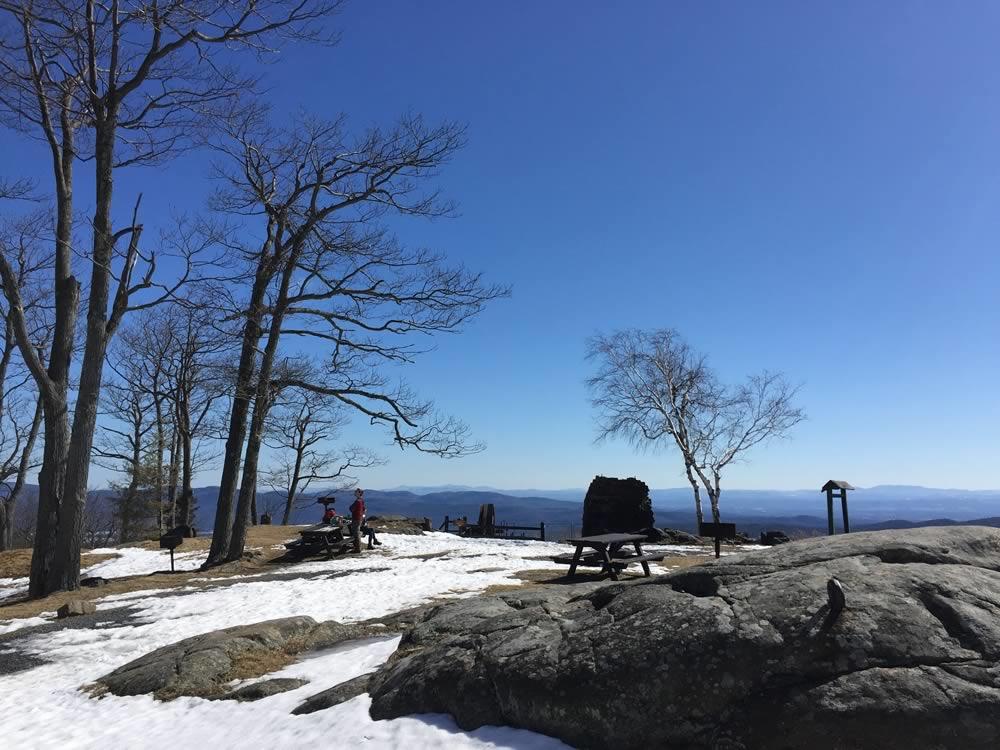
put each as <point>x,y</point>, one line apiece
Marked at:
<point>357,517</point>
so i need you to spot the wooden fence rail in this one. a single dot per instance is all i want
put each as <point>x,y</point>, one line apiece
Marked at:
<point>499,530</point>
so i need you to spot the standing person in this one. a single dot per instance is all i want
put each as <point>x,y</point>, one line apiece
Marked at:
<point>357,517</point>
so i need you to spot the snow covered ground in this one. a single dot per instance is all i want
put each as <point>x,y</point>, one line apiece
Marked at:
<point>43,707</point>
<point>129,561</point>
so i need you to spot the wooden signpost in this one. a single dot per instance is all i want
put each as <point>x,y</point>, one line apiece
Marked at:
<point>171,542</point>
<point>836,488</point>
<point>720,531</point>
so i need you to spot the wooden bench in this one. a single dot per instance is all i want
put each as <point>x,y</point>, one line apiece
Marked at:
<point>590,558</point>
<point>594,559</point>
<point>644,557</point>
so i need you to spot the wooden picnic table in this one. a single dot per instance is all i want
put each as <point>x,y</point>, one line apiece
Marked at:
<point>608,553</point>
<point>322,537</point>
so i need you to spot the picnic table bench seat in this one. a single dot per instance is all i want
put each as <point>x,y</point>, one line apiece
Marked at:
<point>594,558</point>
<point>644,557</point>
<point>588,557</point>
<point>605,551</point>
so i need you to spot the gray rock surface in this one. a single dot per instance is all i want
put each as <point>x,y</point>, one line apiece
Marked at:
<point>334,696</point>
<point>675,536</point>
<point>738,653</point>
<point>263,689</point>
<point>75,608</point>
<point>204,664</point>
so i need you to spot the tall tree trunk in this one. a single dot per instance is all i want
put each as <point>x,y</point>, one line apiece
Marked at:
<point>187,493</point>
<point>7,503</point>
<point>9,344</point>
<point>713,495</point>
<point>173,472</point>
<point>52,476</point>
<point>160,452</point>
<point>247,499</point>
<point>238,419</point>
<point>64,575</point>
<point>182,417</point>
<point>51,488</point>
<point>697,495</point>
<point>294,484</point>
<point>262,403</point>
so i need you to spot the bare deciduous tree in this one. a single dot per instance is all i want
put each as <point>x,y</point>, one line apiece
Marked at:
<point>165,382</point>
<point>126,438</point>
<point>652,389</point>
<point>300,430</point>
<point>20,405</point>
<point>116,85</point>
<point>327,271</point>
<point>200,382</point>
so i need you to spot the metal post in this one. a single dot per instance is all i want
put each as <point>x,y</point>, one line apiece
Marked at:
<point>843,503</point>
<point>171,559</point>
<point>541,527</point>
<point>829,510</point>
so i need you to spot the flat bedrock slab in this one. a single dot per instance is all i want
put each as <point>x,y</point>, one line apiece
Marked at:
<point>263,689</point>
<point>204,664</point>
<point>738,653</point>
<point>334,696</point>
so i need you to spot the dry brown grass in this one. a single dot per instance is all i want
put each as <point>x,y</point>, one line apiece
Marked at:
<point>17,563</point>
<point>246,665</point>
<point>258,537</point>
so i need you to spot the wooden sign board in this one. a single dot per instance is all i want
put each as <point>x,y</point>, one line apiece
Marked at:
<point>171,541</point>
<point>718,530</point>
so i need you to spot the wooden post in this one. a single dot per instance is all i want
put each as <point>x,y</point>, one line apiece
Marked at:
<point>171,559</point>
<point>843,504</point>
<point>829,509</point>
<point>541,528</point>
<point>445,525</point>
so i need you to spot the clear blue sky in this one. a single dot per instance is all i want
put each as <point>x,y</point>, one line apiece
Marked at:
<point>807,187</point>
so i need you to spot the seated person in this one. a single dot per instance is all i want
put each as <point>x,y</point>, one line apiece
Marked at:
<point>330,514</point>
<point>372,541</point>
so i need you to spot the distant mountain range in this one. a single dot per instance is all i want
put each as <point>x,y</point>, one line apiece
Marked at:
<point>802,512</point>
<point>868,505</point>
<point>797,512</point>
